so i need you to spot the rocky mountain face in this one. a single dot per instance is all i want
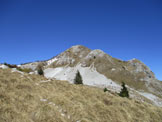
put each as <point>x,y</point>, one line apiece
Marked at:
<point>135,73</point>
<point>100,69</point>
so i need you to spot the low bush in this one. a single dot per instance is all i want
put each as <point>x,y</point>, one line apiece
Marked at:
<point>124,92</point>
<point>40,71</point>
<point>105,89</point>
<point>10,65</point>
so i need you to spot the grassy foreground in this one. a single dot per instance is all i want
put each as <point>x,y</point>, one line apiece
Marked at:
<point>33,98</point>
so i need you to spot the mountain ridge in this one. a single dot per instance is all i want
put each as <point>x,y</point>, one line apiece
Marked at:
<point>100,69</point>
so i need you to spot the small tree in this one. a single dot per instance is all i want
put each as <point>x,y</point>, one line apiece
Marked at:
<point>78,78</point>
<point>105,89</point>
<point>124,92</point>
<point>40,71</point>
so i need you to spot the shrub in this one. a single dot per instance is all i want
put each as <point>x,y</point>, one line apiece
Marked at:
<point>10,65</point>
<point>27,70</point>
<point>105,89</point>
<point>78,78</point>
<point>40,71</point>
<point>124,92</point>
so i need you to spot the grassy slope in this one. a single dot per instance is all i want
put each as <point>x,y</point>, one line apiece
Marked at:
<point>20,101</point>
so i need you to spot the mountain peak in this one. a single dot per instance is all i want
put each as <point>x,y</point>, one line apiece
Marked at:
<point>78,48</point>
<point>97,52</point>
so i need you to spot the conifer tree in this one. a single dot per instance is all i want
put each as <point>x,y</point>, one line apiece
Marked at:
<point>105,89</point>
<point>124,92</point>
<point>78,78</point>
<point>40,70</point>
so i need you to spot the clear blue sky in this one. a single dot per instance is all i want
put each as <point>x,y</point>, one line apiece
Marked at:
<point>40,29</point>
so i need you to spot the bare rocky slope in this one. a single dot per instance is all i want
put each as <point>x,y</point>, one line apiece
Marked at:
<point>100,69</point>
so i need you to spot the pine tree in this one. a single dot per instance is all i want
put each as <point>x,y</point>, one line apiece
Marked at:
<point>105,89</point>
<point>78,78</point>
<point>124,92</point>
<point>40,71</point>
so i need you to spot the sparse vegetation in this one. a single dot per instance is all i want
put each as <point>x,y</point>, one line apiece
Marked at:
<point>124,92</point>
<point>78,78</point>
<point>27,70</point>
<point>10,65</point>
<point>20,101</point>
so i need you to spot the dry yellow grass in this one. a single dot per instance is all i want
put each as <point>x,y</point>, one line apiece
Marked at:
<point>33,98</point>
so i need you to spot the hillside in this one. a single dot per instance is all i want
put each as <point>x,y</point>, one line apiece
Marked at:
<point>100,70</point>
<point>33,98</point>
<point>133,72</point>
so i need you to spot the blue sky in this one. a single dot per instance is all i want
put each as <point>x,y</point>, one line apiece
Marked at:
<point>33,30</point>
